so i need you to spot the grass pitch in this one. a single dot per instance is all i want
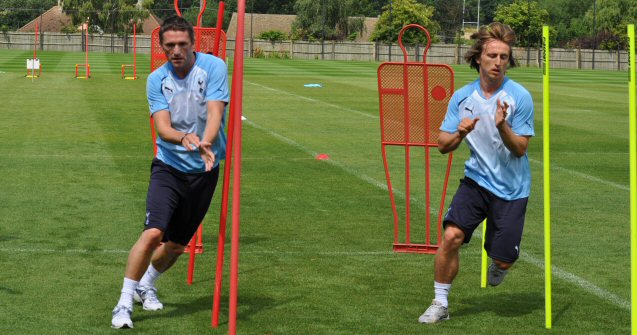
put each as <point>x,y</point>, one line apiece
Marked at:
<point>316,235</point>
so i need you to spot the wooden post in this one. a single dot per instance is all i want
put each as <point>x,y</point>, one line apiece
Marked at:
<point>417,52</point>
<point>456,56</point>
<point>375,52</point>
<point>333,50</point>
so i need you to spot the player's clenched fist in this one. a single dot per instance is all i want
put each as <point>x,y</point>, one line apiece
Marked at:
<point>466,126</point>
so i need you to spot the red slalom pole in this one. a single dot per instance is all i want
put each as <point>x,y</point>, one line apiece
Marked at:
<point>135,50</point>
<point>193,241</point>
<point>198,39</point>
<point>176,3</point>
<point>221,241</point>
<point>237,83</point>
<point>35,44</point>
<point>87,69</point>
<point>191,261</point>
<point>215,48</point>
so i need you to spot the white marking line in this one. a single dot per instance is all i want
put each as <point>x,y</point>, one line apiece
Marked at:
<point>314,100</point>
<point>584,176</point>
<point>571,278</point>
<point>581,282</point>
<point>382,185</point>
<point>373,181</point>
<point>594,153</point>
<point>559,273</point>
<point>122,251</point>
<point>313,153</point>
<point>11,155</point>
<point>132,157</point>
<point>65,251</point>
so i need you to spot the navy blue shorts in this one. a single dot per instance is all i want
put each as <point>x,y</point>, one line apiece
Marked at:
<point>177,201</point>
<point>505,219</point>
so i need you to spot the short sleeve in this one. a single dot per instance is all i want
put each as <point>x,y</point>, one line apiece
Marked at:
<point>522,121</point>
<point>217,88</point>
<point>156,100</point>
<point>452,118</point>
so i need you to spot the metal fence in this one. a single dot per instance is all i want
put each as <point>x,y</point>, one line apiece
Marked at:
<point>328,50</point>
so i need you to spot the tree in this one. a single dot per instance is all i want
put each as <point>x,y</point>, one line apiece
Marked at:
<point>567,19</point>
<point>107,16</point>
<point>527,25</point>
<point>368,8</point>
<point>404,12</point>
<point>612,18</point>
<point>488,9</point>
<point>16,13</point>
<point>449,15</point>
<point>163,8</point>
<point>270,6</point>
<point>318,20</point>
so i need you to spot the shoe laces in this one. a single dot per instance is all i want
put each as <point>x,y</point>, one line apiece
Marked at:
<point>150,294</point>
<point>435,308</point>
<point>122,310</point>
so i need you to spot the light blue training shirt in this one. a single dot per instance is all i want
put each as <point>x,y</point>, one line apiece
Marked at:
<point>185,99</point>
<point>491,164</point>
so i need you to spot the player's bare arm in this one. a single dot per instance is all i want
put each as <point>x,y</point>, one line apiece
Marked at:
<point>169,134</point>
<point>215,113</point>
<point>448,142</point>
<point>515,143</point>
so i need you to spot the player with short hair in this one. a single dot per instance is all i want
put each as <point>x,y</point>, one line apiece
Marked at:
<point>494,115</point>
<point>187,98</point>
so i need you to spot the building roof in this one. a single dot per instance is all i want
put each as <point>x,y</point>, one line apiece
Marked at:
<point>150,23</point>
<point>255,24</point>
<point>54,19</point>
<point>50,21</point>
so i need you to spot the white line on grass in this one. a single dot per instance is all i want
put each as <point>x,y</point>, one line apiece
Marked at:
<point>581,282</point>
<point>584,176</point>
<point>123,251</point>
<point>553,167</point>
<point>313,153</point>
<point>314,100</point>
<point>66,251</point>
<point>559,273</point>
<point>82,156</point>
<point>594,153</point>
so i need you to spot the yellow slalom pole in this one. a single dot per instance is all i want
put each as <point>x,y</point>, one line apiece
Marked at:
<point>632,111</point>
<point>483,273</point>
<point>547,179</point>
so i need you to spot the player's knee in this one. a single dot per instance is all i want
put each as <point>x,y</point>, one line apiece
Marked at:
<point>174,249</point>
<point>502,265</point>
<point>152,237</point>
<point>453,236</point>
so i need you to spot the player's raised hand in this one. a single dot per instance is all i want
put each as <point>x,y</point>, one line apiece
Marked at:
<point>501,114</point>
<point>466,126</point>
<point>207,155</point>
<point>190,141</point>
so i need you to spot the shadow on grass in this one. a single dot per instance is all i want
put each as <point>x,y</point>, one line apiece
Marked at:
<point>247,307</point>
<point>7,238</point>
<point>502,304</point>
<point>560,313</point>
<point>8,290</point>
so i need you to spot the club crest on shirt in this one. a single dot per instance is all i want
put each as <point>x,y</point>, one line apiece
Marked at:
<point>199,88</point>
<point>201,84</point>
<point>168,89</point>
